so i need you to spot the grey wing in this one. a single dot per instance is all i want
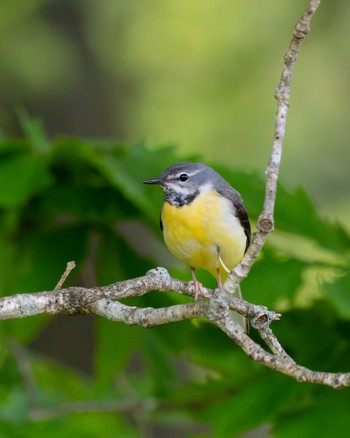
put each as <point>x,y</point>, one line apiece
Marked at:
<point>241,213</point>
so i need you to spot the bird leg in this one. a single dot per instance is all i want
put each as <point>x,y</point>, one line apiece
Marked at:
<point>218,275</point>
<point>198,287</point>
<point>218,279</point>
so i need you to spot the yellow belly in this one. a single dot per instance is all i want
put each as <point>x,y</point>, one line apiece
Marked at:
<point>200,232</point>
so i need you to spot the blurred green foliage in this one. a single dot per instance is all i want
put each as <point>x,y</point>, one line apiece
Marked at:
<point>73,199</point>
<point>201,74</point>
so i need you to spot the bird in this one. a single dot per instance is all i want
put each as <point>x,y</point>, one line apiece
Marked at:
<point>204,222</point>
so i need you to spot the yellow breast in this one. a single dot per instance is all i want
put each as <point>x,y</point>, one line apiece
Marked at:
<point>200,232</point>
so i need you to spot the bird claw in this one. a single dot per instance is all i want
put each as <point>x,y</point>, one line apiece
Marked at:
<point>198,289</point>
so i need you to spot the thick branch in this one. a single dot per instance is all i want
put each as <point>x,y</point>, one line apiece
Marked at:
<point>148,316</point>
<point>212,307</point>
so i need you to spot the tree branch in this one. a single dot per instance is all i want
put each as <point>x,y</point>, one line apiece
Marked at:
<point>214,307</point>
<point>78,301</point>
<point>148,316</point>
<point>265,223</point>
<point>70,266</point>
<point>285,366</point>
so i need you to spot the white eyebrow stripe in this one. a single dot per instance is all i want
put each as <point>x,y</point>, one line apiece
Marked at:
<point>194,172</point>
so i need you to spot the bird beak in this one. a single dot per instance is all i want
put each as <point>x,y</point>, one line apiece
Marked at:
<point>152,181</point>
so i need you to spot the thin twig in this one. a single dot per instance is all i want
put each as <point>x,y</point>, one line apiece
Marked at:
<point>273,343</point>
<point>284,366</point>
<point>265,223</point>
<point>70,266</point>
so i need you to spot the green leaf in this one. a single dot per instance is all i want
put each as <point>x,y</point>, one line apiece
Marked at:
<point>8,225</point>
<point>339,296</point>
<point>115,344</point>
<point>54,388</point>
<point>73,152</point>
<point>21,176</point>
<point>84,204</point>
<point>218,355</point>
<point>12,146</point>
<point>250,185</point>
<point>86,424</point>
<point>40,261</point>
<point>296,213</point>
<point>258,402</point>
<point>272,279</point>
<point>161,374</point>
<point>34,131</point>
<point>313,338</point>
<point>42,256</point>
<point>14,408</point>
<point>126,171</point>
<point>116,259</point>
<point>326,415</point>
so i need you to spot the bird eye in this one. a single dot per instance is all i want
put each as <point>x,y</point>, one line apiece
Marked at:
<point>183,177</point>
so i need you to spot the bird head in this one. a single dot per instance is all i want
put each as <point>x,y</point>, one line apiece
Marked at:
<point>183,182</point>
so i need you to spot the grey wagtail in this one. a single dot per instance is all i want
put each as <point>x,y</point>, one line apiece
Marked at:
<point>204,222</point>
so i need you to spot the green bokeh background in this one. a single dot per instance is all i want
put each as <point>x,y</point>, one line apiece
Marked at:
<point>114,83</point>
<point>198,74</point>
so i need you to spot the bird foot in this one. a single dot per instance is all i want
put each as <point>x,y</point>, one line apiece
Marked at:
<point>198,289</point>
